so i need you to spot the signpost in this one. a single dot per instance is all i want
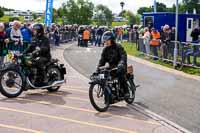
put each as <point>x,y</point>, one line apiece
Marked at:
<point>49,12</point>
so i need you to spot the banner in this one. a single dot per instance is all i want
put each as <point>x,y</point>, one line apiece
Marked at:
<point>49,12</point>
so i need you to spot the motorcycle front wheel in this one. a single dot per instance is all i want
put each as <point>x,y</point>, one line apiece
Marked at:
<point>131,90</point>
<point>11,83</point>
<point>99,98</point>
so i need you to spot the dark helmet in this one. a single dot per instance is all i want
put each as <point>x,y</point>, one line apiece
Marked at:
<point>39,28</point>
<point>108,35</point>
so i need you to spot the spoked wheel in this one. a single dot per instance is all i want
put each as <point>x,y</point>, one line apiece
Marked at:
<point>54,74</point>
<point>131,90</point>
<point>11,83</point>
<point>99,98</point>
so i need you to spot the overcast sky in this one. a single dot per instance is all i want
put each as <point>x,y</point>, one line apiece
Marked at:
<point>114,5</point>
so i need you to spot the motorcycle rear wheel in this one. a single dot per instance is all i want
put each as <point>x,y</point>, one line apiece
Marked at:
<point>58,76</point>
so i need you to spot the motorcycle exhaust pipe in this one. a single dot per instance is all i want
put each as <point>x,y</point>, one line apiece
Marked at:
<point>55,84</point>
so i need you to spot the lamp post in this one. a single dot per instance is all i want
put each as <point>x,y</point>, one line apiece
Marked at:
<point>176,36</point>
<point>122,5</point>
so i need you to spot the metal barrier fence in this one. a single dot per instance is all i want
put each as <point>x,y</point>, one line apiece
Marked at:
<point>188,53</point>
<point>65,36</point>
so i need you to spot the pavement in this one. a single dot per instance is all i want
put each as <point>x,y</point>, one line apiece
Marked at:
<point>169,93</point>
<point>69,111</point>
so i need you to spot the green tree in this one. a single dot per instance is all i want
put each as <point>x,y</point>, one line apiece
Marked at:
<point>13,19</point>
<point>103,15</point>
<point>79,12</point>
<point>142,10</point>
<point>191,4</point>
<point>55,15</point>
<point>35,16</point>
<point>161,7</point>
<point>1,13</point>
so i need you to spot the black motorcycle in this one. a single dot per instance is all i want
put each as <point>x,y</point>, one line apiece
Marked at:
<point>105,89</point>
<point>22,74</point>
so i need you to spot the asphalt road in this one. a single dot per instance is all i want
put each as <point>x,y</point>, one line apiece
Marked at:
<point>69,111</point>
<point>169,95</point>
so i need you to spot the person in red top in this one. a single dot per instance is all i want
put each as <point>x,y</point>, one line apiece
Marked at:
<point>120,33</point>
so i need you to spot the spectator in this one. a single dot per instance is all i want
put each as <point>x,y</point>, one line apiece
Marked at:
<point>165,38</point>
<point>147,37</point>
<point>86,37</point>
<point>56,35</point>
<point>120,34</point>
<point>155,42</point>
<point>93,32</point>
<point>195,39</point>
<point>172,41</point>
<point>27,35</point>
<point>125,34</point>
<point>16,37</point>
<point>3,42</point>
<point>137,37</point>
<point>99,36</point>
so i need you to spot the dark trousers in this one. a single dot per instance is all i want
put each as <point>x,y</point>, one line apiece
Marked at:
<point>164,51</point>
<point>155,51</point>
<point>85,43</point>
<point>57,41</point>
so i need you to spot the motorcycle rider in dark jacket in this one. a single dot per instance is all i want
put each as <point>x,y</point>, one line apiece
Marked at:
<point>40,50</point>
<point>116,56</point>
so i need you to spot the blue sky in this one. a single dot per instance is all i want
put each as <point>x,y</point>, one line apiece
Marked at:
<point>114,5</point>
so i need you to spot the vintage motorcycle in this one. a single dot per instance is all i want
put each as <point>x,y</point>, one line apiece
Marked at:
<point>22,74</point>
<point>105,90</point>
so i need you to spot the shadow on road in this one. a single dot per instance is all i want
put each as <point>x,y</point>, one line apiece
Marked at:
<point>43,96</point>
<point>123,111</point>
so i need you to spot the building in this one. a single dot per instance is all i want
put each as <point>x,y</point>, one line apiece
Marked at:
<point>17,13</point>
<point>187,22</point>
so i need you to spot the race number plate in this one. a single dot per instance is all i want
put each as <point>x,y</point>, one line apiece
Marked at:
<point>101,76</point>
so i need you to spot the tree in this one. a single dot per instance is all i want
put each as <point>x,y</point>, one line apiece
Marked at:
<point>35,16</point>
<point>191,4</point>
<point>55,15</point>
<point>142,10</point>
<point>130,16</point>
<point>1,13</point>
<point>161,7</point>
<point>13,19</point>
<point>77,12</point>
<point>103,15</point>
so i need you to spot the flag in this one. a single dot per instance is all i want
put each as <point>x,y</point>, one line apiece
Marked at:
<point>49,12</point>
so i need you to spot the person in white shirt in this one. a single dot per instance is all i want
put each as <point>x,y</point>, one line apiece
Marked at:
<point>16,36</point>
<point>147,37</point>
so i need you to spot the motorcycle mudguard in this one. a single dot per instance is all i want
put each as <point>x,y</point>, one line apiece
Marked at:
<point>109,93</point>
<point>62,69</point>
<point>11,66</point>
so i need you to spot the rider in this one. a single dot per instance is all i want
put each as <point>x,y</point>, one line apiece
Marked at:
<point>40,49</point>
<point>116,56</point>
